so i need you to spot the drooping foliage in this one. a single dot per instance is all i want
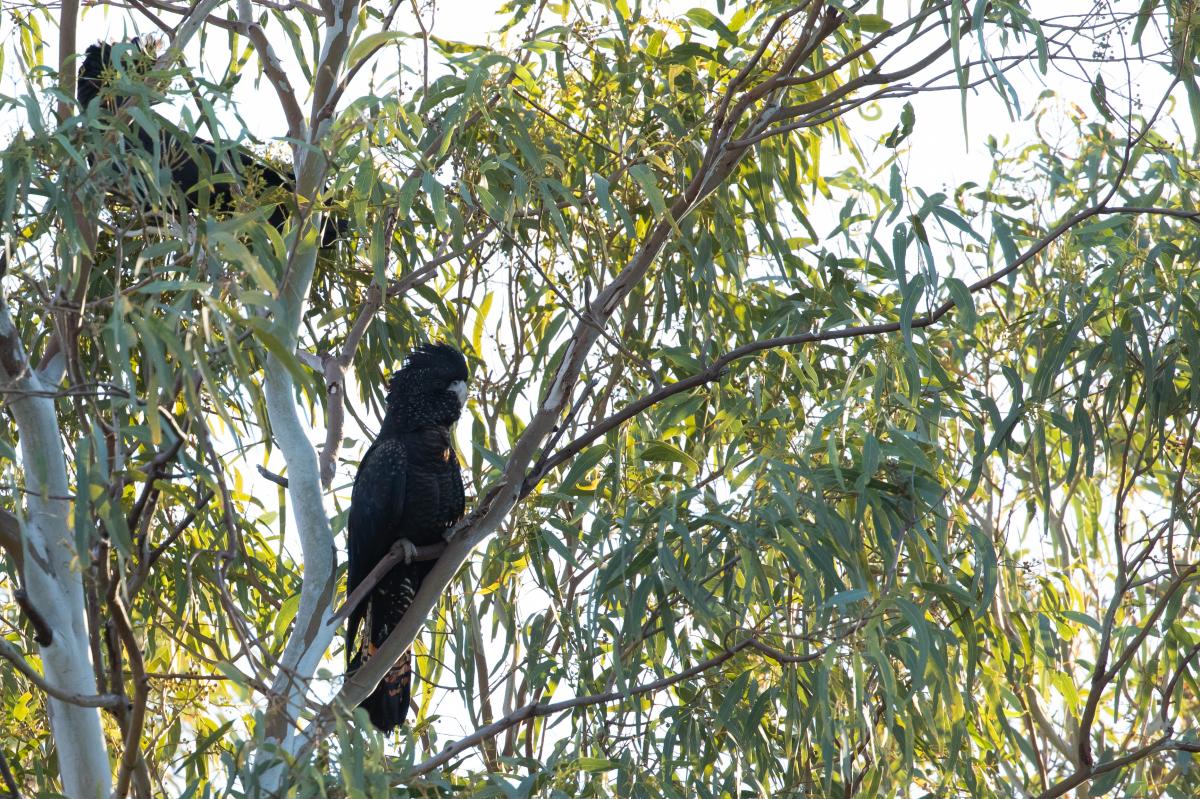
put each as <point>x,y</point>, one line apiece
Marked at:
<point>794,471</point>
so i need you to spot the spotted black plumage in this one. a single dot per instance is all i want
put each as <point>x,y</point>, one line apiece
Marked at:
<point>408,486</point>
<point>206,179</point>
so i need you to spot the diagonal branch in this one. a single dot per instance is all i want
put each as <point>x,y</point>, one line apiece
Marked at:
<point>10,653</point>
<point>719,366</point>
<point>1102,674</point>
<point>398,552</point>
<point>1164,744</point>
<point>538,709</point>
<point>10,783</point>
<point>495,506</point>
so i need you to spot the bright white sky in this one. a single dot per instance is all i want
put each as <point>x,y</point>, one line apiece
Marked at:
<point>938,151</point>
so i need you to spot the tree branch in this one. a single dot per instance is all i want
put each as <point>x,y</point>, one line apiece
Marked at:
<point>138,578</point>
<point>10,783</point>
<point>10,539</point>
<point>274,71</point>
<point>1102,675</point>
<point>718,367</point>
<point>12,655</point>
<point>309,637</point>
<point>136,718</point>
<point>1164,744</point>
<point>277,479</point>
<point>397,553</point>
<point>538,709</point>
<point>43,633</point>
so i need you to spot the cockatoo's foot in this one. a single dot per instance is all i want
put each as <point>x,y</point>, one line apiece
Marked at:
<point>408,550</point>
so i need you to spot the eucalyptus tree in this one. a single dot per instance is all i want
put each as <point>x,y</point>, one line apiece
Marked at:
<point>788,473</point>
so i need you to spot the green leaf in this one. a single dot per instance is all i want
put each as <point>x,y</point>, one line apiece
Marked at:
<point>706,19</point>
<point>234,250</point>
<point>663,452</point>
<point>645,178</point>
<point>480,318</point>
<point>846,597</point>
<point>964,303</point>
<point>872,23</point>
<point>365,46</point>
<point>283,618</point>
<point>582,465</point>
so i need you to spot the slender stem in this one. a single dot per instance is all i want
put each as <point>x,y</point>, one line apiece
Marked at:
<point>538,709</point>
<point>12,655</point>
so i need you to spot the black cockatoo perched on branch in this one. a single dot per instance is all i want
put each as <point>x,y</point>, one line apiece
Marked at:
<point>206,177</point>
<point>408,487</point>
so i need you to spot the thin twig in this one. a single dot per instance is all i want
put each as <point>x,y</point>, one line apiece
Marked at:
<point>277,479</point>
<point>143,569</point>
<point>11,654</point>
<point>10,783</point>
<point>537,709</point>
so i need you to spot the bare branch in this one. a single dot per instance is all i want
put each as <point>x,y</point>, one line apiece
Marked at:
<point>139,577</point>
<point>718,367</point>
<point>68,21</point>
<point>273,69</point>
<point>1164,744</point>
<point>398,552</point>
<point>43,633</point>
<point>537,709</point>
<point>10,783</point>
<point>277,479</point>
<point>136,718</point>
<point>10,653</point>
<point>1102,674</point>
<point>189,27</point>
<point>1168,690</point>
<point>10,538</point>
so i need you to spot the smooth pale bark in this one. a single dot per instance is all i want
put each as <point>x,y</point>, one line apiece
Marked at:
<point>311,633</point>
<point>309,637</point>
<point>52,576</point>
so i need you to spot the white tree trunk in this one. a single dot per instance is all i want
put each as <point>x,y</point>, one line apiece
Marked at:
<point>311,632</point>
<point>310,636</point>
<point>52,577</point>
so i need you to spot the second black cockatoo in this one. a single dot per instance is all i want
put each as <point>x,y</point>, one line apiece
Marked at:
<point>408,486</point>
<point>207,178</point>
